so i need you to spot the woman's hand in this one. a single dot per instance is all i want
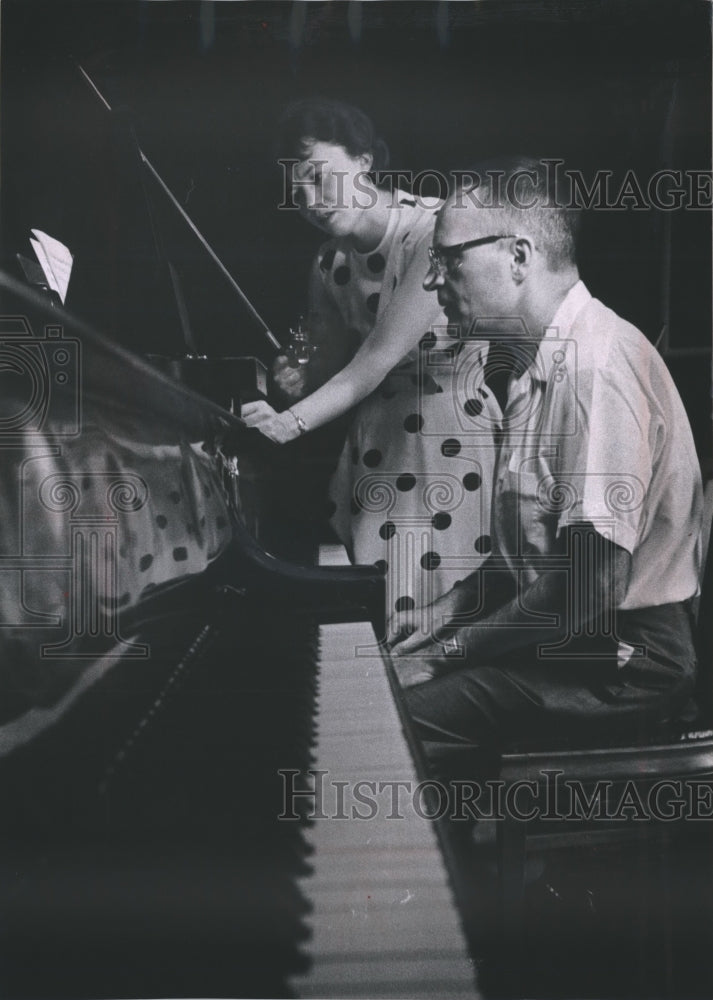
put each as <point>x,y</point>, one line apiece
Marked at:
<point>290,379</point>
<point>278,427</point>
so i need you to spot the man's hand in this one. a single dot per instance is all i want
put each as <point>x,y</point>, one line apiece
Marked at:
<point>278,427</point>
<point>289,378</point>
<point>402,624</point>
<point>406,632</point>
<point>434,660</point>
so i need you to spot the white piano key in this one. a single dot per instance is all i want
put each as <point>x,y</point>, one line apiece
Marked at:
<point>384,921</point>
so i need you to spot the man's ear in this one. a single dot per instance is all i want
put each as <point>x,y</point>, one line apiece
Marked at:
<point>522,252</point>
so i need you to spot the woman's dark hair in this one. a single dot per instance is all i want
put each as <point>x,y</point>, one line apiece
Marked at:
<point>324,120</point>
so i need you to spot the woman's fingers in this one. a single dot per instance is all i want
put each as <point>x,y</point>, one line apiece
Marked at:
<point>278,427</point>
<point>257,413</point>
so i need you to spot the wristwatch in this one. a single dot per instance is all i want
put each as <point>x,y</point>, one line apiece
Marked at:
<point>301,425</point>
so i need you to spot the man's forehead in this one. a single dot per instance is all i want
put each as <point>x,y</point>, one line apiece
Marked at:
<point>458,220</point>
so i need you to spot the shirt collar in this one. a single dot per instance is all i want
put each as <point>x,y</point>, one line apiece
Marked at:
<point>558,331</point>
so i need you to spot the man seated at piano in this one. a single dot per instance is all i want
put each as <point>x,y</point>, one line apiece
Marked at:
<point>407,494</point>
<point>577,629</point>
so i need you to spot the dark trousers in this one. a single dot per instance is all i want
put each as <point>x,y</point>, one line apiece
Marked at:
<point>532,700</point>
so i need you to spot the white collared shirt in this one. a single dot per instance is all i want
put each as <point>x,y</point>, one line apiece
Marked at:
<point>595,431</point>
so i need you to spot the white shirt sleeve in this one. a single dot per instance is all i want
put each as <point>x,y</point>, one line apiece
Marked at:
<point>607,465</point>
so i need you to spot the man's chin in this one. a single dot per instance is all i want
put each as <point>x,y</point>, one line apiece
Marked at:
<point>454,317</point>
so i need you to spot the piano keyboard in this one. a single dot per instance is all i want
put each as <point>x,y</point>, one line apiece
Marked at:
<point>384,923</point>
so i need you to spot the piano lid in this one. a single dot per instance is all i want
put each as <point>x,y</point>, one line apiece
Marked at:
<point>78,174</point>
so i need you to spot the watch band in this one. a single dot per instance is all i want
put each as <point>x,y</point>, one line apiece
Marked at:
<point>301,425</point>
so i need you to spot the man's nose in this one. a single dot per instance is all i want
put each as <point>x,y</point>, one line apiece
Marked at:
<point>433,279</point>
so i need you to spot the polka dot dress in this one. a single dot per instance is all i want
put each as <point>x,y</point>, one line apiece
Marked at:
<point>412,489</point>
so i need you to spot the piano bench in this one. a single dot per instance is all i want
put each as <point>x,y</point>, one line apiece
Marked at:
<point>595,796</point>
<point>593,799</point>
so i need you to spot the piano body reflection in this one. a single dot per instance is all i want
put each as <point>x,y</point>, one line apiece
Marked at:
<point>158,672</point>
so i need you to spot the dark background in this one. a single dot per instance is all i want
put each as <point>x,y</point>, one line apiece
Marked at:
<point>604,84</point>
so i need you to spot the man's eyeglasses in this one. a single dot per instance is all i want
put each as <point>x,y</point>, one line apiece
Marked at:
<point>447,260</point>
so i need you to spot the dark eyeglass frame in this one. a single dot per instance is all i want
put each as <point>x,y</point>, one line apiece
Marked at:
<point>447,260</point>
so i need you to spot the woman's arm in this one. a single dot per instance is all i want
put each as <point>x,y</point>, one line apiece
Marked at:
<point>409,315</point>
<point>333,346</point>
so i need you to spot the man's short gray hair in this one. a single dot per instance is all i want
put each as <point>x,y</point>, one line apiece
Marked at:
<point>519,197</point>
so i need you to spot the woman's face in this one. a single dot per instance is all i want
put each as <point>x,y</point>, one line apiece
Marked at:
<point>331,187</point>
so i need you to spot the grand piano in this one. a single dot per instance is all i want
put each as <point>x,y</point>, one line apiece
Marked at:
<point>162,673</point>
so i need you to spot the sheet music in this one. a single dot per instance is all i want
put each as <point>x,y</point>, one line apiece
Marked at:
<point>55,259</point>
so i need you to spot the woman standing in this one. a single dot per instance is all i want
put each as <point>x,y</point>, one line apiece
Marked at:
<point>412,488</point>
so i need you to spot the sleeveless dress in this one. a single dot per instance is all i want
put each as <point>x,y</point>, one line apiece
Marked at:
<point>413,484</point>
